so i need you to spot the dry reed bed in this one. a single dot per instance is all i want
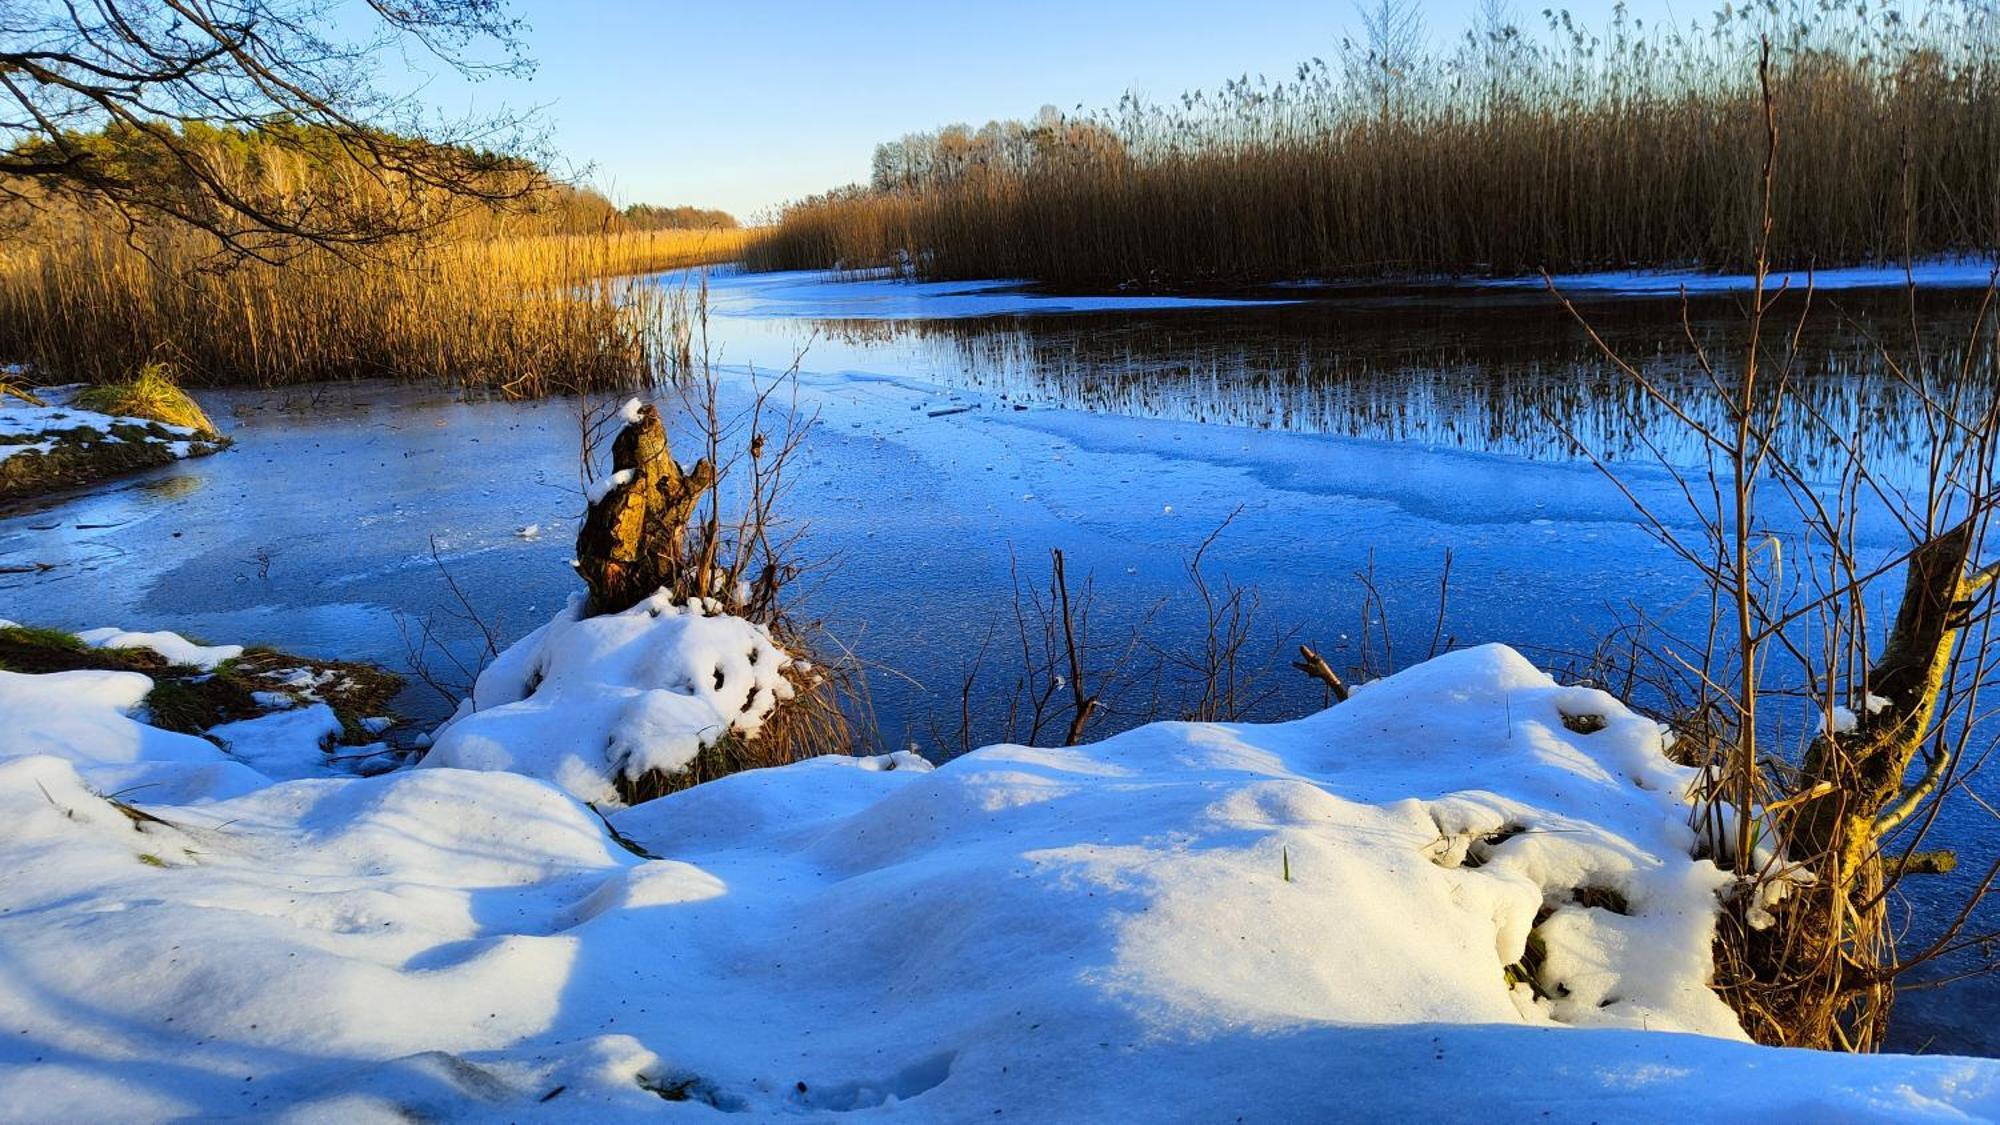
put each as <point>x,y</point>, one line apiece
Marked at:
<point>521,314</point>
<point>1640,147</point>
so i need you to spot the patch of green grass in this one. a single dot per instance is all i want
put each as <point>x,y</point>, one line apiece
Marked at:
<point>192,704</point>
<point>83,455</point>
<point>37,637</point>
<point>192,701</point>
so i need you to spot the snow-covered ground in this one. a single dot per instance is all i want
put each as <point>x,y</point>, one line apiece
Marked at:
<point>57,443</point>
<point>25,427</point>
<point>582,701</point>
<point>1436,900</point>
<point>172,646</point>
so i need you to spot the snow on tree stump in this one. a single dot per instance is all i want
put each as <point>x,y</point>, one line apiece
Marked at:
<point>634,536</point>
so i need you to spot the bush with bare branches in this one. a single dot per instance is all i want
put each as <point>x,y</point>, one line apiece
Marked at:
<point>1831,731</point>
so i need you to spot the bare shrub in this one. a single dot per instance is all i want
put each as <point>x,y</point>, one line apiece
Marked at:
<point>1831,719</point>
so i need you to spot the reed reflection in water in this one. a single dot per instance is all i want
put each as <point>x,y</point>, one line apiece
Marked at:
<point>1512,375</point>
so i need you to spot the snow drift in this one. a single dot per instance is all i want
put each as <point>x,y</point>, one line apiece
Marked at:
<point>582,701</point>
<point>1436,899</point>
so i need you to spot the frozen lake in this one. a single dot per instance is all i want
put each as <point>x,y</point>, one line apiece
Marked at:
<point>967,429</point>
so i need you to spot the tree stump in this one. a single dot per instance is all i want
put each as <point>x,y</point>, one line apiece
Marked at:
<point>634,537</point>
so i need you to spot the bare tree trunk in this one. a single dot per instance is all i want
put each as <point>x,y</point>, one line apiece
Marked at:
<point>1864,768</point>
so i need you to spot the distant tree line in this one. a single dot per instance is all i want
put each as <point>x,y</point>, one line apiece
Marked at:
<point>137,108</point>
<point>651,216</point>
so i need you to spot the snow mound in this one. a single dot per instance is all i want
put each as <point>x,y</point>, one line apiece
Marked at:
<point>283,744</point>
<point>87,718</point>
<point>1303,921</point>
<point>581,702</point>
<point>172,647</point>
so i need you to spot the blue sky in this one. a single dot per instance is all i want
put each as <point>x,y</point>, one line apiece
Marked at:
<point>744,105</point>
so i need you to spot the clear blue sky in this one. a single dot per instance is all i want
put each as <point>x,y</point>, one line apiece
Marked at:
<point>743,105</point>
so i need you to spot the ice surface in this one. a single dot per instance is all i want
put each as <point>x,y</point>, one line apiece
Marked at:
<point>818,294</point>
<point>1950,274</point>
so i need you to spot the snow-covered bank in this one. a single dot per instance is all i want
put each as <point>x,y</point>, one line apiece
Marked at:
<point>1310,920</point>
<point>583,702</point>
<point>57,444</point>
<point>126,715</point>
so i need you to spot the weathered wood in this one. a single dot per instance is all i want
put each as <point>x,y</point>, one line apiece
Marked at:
<point>1313,664</point>
<point>1817,968</point>
<point>633,539</point>
<point>1864,769</point>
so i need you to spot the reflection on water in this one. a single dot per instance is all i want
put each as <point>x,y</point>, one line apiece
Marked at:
<point>1523,379</point>
<point>172,488</point>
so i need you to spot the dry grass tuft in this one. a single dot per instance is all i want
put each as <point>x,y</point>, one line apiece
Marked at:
<point>153,394</point>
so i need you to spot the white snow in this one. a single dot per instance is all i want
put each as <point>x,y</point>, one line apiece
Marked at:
<point>1844,721</point>
<point>86,717</point>
<point>580,702</point>
<point>175,648</point>
<point>1103,933</point>
<point>19,418</point>
<point>601,487</point>
<point>283,744</point>
<point>7,451</point>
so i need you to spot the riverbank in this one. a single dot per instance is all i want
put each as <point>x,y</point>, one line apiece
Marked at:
<point>283,715</point>
<point>48,441</point>
<point>1464,894</point>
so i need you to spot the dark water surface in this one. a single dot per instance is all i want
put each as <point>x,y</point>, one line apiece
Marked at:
<point>1359,430</point>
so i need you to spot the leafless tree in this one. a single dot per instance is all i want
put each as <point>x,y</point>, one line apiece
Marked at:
<point>130,105</point>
